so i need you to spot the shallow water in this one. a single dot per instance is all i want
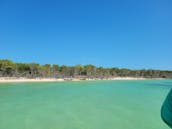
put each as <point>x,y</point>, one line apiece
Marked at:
<point>83,105</point>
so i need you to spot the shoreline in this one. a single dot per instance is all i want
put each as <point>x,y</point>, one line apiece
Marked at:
<point>14,79</point>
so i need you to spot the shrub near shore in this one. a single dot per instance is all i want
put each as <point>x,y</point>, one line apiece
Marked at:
<point>34,70</point>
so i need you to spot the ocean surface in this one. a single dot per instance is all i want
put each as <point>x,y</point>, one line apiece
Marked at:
<point>83,105</point>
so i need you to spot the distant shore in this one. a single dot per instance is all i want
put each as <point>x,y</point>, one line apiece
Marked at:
<point>15,79</point>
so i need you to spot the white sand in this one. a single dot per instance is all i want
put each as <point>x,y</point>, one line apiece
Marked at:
<point>14,79</point>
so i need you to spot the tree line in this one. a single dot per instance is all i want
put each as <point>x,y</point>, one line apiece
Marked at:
<point>34,70</point>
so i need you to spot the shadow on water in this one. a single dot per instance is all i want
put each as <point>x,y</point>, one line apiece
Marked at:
<point>164,84</point>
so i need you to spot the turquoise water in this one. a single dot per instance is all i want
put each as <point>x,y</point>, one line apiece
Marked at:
<point>83,105</point>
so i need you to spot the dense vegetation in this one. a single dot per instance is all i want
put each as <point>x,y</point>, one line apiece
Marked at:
<point>33,70</point>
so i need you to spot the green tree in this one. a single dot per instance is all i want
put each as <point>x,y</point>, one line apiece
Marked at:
<point>6,67</point>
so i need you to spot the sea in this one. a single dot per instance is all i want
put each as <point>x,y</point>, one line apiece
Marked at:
<point>118,104</point>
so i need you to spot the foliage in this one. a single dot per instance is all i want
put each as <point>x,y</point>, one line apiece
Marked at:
<point>32,70</point>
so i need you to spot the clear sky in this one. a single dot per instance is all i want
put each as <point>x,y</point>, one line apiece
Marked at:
<point>112,33</point>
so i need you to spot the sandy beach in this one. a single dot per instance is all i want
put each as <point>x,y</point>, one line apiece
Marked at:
<point>14,79</point>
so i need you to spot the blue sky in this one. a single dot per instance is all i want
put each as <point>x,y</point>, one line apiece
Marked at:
<point>134,34</point>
